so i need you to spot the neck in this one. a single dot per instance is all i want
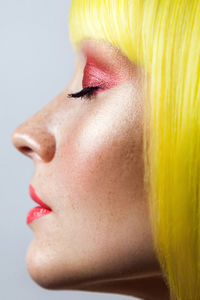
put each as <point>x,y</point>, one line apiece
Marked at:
<point>148,288</point>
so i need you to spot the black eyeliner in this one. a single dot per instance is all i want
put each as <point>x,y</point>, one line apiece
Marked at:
<point>86,91</point>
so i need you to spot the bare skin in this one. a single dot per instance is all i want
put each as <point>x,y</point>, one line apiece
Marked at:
<point>150,288</point>
<point>89,170</point>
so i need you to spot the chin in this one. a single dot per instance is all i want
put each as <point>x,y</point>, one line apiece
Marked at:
<point>46,270</point>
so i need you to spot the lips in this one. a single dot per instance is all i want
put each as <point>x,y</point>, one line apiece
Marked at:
<point>35,197</point>
<point>38,211</point>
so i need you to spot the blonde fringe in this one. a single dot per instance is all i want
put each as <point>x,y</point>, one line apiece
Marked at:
<point>164,37</point>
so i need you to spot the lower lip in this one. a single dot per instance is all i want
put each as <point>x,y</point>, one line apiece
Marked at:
<point>36,213</point>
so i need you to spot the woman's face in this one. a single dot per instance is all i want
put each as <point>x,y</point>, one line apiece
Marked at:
<point>89,171</point>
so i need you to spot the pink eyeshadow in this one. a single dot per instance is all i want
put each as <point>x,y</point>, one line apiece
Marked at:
<point>97,74</point>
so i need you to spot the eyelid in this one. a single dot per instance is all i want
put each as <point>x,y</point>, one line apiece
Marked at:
<point>95,74</point>
<point>95,77</point>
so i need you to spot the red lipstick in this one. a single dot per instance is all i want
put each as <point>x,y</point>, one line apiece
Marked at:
<point>38,211</point>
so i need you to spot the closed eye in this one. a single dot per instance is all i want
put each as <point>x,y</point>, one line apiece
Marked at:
<point>87,92</point>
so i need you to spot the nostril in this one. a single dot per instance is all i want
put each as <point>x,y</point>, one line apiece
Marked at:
<point>26,150</point>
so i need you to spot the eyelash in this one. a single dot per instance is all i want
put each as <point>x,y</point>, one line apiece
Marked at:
<point>87,92</point>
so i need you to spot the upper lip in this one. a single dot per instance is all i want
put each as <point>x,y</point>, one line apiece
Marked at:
<point>35,197</point>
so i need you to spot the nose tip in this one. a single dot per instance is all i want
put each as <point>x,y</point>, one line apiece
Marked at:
<point>34,142</point>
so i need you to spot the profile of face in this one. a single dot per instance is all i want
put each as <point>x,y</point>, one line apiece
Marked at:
<point>89,170</point>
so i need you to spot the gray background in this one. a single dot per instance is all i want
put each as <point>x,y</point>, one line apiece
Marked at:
<point>36,63</point>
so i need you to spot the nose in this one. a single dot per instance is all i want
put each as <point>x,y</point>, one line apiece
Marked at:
<point>33,138</point>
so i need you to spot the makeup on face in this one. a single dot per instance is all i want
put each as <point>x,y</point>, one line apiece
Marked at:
<point>96,78</point>
<point>38,211</point>
<point>104,68</point>
<point>97,74</point>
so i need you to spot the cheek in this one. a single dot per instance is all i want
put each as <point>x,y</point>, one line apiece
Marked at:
<point>102,159</point>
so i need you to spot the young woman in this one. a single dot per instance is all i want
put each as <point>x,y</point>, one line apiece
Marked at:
<point>116,154</point>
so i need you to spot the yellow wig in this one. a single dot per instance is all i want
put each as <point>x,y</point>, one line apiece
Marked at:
<point>163,36</point>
